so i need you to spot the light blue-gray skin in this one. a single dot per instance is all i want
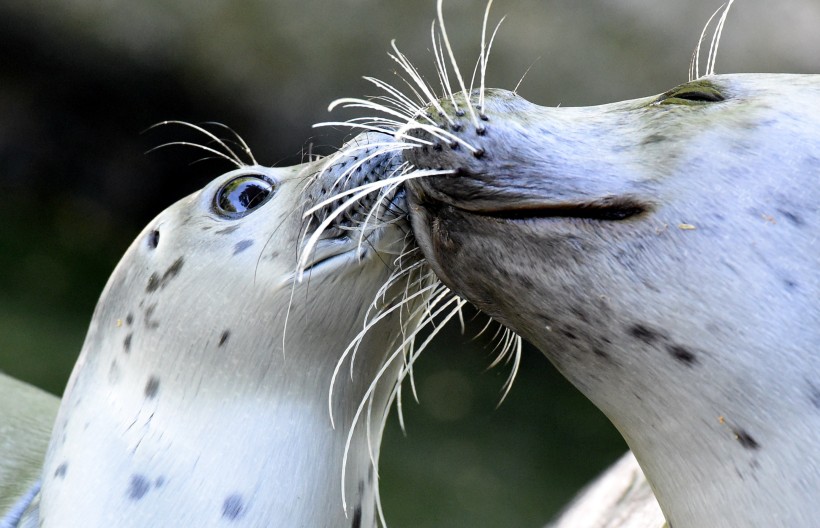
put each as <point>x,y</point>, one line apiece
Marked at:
<point>664,254</point>
<point>184,409</point>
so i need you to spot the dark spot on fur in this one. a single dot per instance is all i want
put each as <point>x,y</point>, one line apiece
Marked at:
<point>227,230</point>
<point>580,314</point>
<point>155,282</point>
<point>113,372</point>
<point>153,239</point>
<point>241,246</point>
<point>224,337</point>
<point>814,394</point>
<point>653,138</point>
<point>138,487</point>
<point>682,354</point>
<point>569,334</point>
<point>745,439</point>
<point>152,387</point>
<point>160,482</point>
<point>149,322</point>
<point>644,333</point>
<point>600,352</point>
<point>126,343</point>
<point>357,517</point>
<point>792,218</point>
<point>61,469</point>
<point>129,319</point>
<point>233,507</point>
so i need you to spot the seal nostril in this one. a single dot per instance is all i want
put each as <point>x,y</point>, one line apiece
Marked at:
<point>153,239</point>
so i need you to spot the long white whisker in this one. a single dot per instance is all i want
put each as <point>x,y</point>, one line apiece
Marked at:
<point>483,56</point>
<point>245,148</point>
<point>222,155</point>
<point>231,155</point>
<point>454,64</point>
<point>696,55</point>
<point>713,49</point>
<point>360,192</point>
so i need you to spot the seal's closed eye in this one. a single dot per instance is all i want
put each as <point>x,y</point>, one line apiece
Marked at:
<point>693,93</point>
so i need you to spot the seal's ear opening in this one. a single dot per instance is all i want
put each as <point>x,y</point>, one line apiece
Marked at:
<point>242,195</point>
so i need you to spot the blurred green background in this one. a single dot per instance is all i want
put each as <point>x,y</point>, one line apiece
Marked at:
<point>80,80</point>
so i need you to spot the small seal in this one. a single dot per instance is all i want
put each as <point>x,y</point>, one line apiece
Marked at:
<point>200,397</point>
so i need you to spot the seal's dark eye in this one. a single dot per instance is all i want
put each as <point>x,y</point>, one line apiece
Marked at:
<point>694,93</point>
<point>242,195</point>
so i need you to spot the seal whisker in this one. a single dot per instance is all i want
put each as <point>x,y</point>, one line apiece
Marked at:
<point>406,298</point>
<point>358,193</point>
<point>441,68</point>
<point>229,153</point>
<point>486,56</point>
<point>377,378</point>
<point>713,48</point>
<point>197,145</point>
<point>239,140</point>
<point>454,64</point>
<point>429,98</point>
<point>395,96</point>
<point>694,63</point>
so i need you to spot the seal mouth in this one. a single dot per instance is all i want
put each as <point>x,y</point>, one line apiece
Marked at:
<point>609,209</point>
<point>331,254</point>
<point>605,209</point>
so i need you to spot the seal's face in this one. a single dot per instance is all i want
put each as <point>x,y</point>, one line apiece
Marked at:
<point>663,252</point>
<point>200,396</point>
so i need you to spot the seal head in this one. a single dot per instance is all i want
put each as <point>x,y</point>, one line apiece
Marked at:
<point>663,253</point>
<point>200,396</point>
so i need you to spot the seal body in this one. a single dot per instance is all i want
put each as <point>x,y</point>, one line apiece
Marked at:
<point>663,253</point>
<point>200,395</point>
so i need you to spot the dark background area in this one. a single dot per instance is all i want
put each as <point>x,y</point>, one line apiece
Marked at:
<point>81,80</point>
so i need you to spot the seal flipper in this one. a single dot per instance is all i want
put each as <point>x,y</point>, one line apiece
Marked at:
<point>24,512</point>
<point>26,418</point>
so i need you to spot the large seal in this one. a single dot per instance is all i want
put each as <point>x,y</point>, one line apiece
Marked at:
<point>200,397</point>
<point>663,253</point>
